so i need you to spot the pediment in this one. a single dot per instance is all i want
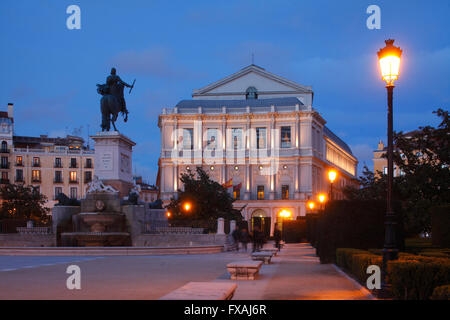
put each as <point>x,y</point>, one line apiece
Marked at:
<point>253,76</point>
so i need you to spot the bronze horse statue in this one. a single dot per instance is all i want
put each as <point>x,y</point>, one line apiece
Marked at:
<point>110,106</point>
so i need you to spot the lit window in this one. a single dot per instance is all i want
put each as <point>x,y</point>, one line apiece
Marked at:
<point>19,161</point>
<point>73,176</point>
<point>285,192</point>
<point>285,137</point>
<point>36,175</point>
<point>261,138</point>
<point>260,192</point>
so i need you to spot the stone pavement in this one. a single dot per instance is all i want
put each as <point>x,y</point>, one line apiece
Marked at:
<point>294,274</point>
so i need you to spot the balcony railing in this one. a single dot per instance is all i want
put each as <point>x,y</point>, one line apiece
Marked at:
<point>88,166</point>
<point>73,165</point>
<point>87,180</point>
<point>36,180</point>
<point>57,165</point>
<point>4,181</point>
<point>62,152</point>
<point>73,181</point>
<point>4,150</point>
<point>36,164</point>
<point>58,180</point>
<point>19,179</point>
<point>19,164</point>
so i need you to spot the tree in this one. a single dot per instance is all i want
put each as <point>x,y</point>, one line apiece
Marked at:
<point>207,199</point>
<point>23,202</point>
<point>423,158</point>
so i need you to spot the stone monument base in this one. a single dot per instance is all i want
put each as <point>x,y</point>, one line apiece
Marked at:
<point>123,187</point>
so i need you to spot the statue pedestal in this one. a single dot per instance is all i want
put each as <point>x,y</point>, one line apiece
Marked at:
<point>113,160</point>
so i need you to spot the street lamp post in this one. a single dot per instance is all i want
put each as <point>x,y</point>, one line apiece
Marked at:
<point>389,58</point>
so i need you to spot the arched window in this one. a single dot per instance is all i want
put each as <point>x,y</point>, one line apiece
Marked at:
<point>251,93</point>
<point>4,146</point>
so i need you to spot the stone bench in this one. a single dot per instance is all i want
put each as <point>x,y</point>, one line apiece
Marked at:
<point>244,270</point>
<point>262,256</point>
<point>274,251</point>
<point>203,291</point>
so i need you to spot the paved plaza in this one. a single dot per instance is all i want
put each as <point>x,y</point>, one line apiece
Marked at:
<point>294,274</point>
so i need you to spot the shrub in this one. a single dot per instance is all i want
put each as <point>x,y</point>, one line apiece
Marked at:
<point>344,257</point>
<point>441,293</point>
<point>352,224</point>
<point>440,224</point>
<point>360,263</point>
<point>416,279</point>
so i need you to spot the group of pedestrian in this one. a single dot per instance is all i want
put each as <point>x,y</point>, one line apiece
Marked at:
<point>257,237</point>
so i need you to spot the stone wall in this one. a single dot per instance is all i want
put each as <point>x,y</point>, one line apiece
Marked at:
<point>175,240</point>
<point>27,240</point>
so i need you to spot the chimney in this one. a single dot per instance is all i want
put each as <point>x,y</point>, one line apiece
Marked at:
<point>10,110</point>
<point>380,145</point>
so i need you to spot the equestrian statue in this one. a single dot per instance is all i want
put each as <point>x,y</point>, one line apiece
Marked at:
<point>113,101</point>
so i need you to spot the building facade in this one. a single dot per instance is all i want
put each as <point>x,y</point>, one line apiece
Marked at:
<point>51,165</point>
<point>259,134</point>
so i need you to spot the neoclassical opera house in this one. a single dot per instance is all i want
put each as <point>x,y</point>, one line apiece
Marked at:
<point>259,134</point>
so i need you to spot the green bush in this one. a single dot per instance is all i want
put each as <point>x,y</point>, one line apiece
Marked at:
<point>440,224</point>
<point>441,293</point>
<point>360,263</point>
<point>344,257</point>
<point>416,279</point>
<point>352,224</point>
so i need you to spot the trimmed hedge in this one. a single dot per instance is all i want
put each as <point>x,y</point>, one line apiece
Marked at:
<point>441,293</point>
<point>352,224</point>
<point>411,277</point>
<point>440,225</point>
<point>416,280</point>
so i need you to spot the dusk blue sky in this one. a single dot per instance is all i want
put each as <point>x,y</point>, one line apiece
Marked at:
<point>173,47</point>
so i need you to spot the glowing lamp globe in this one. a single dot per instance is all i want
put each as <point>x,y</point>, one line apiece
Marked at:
<point>390,57</point>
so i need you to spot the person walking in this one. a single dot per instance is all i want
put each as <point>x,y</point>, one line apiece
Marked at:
<point>244,238</point>
<point>256,238</point>
<point>236,236</point>
<point>277,236</point>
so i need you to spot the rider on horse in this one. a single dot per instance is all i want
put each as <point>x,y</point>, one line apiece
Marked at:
<point>116,85</point>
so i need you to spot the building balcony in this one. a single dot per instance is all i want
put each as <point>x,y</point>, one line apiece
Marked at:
<point>4,151</point>
<point>37,180</point>
<point>57,165</point>
<point>58,180</point>
<point>88,166</point>
<point>19,179</point>
<point>36,165</point>
<point>20,164</point>
<point>4,181</point>
<point>73,181</point>
<point>73,166</point>
<point>87,180</point>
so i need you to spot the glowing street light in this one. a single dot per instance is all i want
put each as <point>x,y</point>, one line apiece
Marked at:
<point>322,197</point>
<point>285,213</point>
<point>311,205</point>
<point>169,214</point>
<point>187,206</point>
<point>389,58</point>
<point>332,174</point>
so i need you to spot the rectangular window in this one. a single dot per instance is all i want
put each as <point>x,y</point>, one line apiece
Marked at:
<point>261,138</point>
<point>87,176</point>
<point>211,136</point>
<point>5,177</point>
<point>237,194</point>
<point>285,192</point>
<point>285,137</point>
<point>58,190</point>
<point>236,136</point>
<point>19,161</point>
<point>188,138</point>
<point>4,163</point>
<point>260,192</point>
<point>385,171</point>
<point>73,193</point>
<point>19,175</point>
<point>73,176</point>
<point>36,175</point>
<point>73,162</point>
<point>88,163</point>
<point>58,163</point>
<point>58,176</point>
<point>36,162</point>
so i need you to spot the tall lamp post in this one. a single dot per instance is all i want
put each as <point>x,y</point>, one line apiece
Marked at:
<point>331,176</point>
<point>389,57</point>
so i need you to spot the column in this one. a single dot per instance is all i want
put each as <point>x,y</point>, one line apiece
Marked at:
<point>220,226</point>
